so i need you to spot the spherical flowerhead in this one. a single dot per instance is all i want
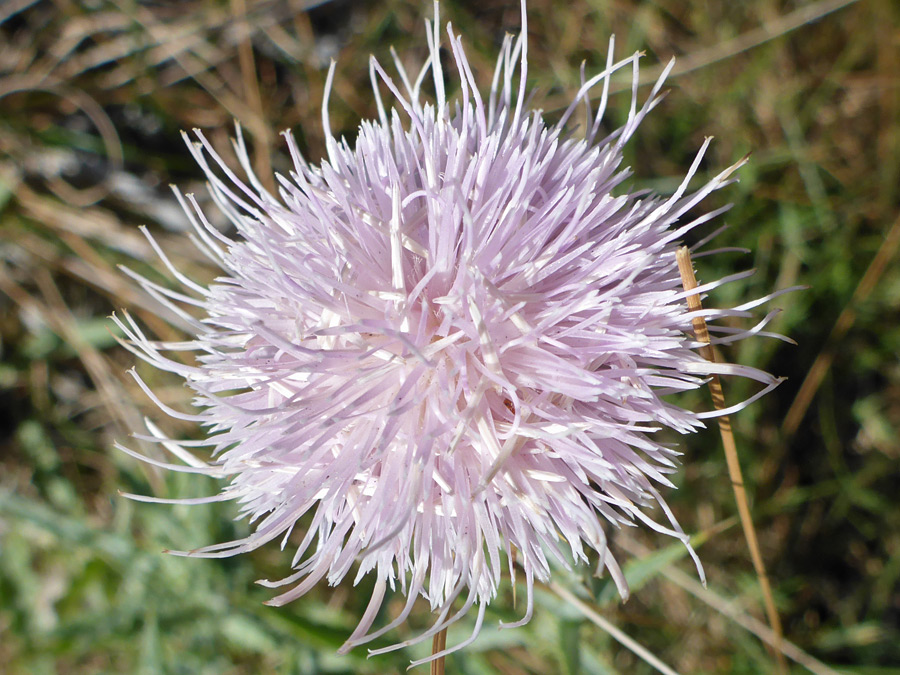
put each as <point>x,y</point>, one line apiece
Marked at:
<point>450,342</point>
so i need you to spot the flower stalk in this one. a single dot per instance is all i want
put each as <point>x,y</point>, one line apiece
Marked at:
<point>438,645</point>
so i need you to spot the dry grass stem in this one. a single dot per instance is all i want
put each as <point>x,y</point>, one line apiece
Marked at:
<point>634,647</point>
<point>728,608</point>
<point>685,267</point>
<point>753,38</point>
<point>845,320</point>
<point>262,150</point>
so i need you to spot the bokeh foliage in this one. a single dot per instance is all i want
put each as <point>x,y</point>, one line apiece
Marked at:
<point>93,96</point>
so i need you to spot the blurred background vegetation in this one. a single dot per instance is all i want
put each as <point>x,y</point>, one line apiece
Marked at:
<point>93,96</point>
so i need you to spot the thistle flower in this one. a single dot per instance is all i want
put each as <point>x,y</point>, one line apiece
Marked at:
<point>450,342</point>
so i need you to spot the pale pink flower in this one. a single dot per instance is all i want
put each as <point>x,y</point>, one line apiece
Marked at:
<point>452,342</point>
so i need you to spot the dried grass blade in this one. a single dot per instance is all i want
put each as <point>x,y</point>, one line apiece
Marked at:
<point>686,269</point>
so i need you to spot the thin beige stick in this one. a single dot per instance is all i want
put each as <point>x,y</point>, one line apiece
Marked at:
<point>262,157</point>
<point>721,51</point>
<point>686,269</point>
<point>745,41</point>
<point>845,321</point>
<point>728,608</point>
<point>438,644</point>
<point>629,643</point>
